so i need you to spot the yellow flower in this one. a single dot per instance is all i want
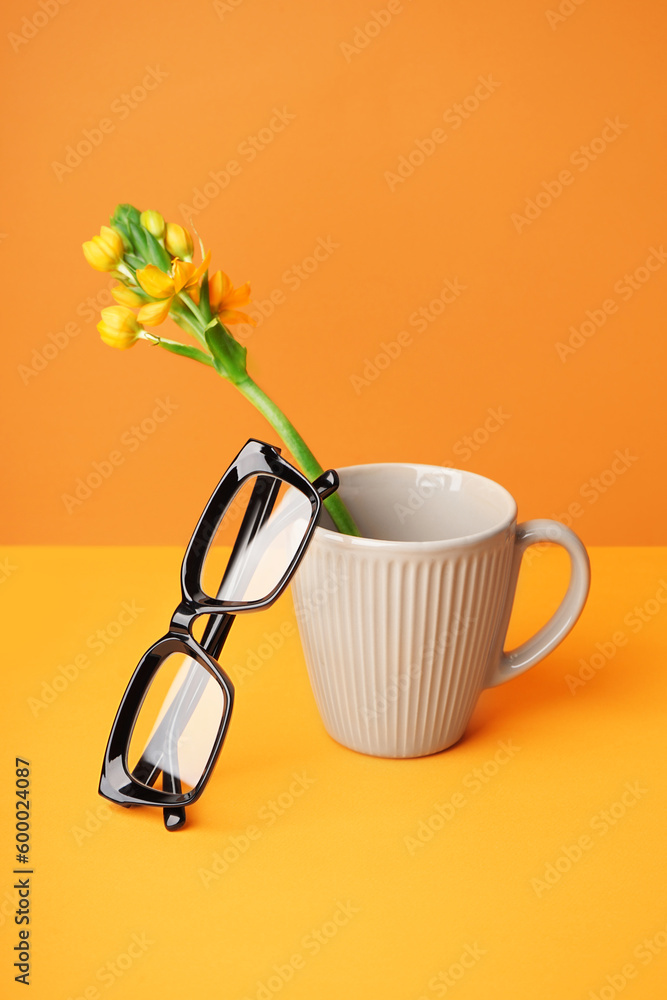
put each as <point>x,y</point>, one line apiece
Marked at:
<point>153,222</point>
<point>224,299</point>
<point>178,242</point>
<point>124,296</point>
<point>183,277</point>
<point>118,327</point>
<point>104,252</point>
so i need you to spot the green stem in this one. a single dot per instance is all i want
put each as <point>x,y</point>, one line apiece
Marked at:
<point>176,347</point>
<point>298,447</point>
<point>182,319</point>
<point>185,300</point>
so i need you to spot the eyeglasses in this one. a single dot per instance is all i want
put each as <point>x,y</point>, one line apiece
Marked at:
<point>175,712</point>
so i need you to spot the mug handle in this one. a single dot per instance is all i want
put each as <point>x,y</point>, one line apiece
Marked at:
<point>510,664</point>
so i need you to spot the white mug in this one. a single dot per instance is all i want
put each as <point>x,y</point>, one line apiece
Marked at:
<point>403,627</point>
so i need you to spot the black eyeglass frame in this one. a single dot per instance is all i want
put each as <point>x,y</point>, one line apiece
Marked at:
<point>256,459</point>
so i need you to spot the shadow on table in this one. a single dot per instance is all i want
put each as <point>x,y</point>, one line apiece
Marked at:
<point>554,690</point>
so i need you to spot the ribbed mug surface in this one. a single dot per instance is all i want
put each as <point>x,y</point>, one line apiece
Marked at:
<point>397,636</point>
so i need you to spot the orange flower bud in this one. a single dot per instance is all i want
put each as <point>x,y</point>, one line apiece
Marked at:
<point>124,296</point>
<point>119,327</point>
<point>104,252</point>
<point>178,241</point>
<point>154,223</point>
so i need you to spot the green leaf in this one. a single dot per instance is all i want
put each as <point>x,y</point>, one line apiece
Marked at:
<point>204,303</point>
<point>229,357</point>
<point>156,253</point>
<point>124,214</point>
<point>186,351</point>
<point>139,237</point>
<point>120,220</point>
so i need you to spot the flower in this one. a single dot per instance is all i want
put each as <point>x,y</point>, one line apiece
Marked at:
<point>151,261</point>
<point>104,252</point>
<point>178,242</point>
<point>125,296</point>
<point>154,223</point>
<point>183,277</point>
<point>119,327</point>
<point>224,299</point>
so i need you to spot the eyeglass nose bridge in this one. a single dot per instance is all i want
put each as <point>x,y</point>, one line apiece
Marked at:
<point>184,617</point>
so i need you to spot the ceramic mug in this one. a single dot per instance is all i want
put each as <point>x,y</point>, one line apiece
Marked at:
<point>403,628</point>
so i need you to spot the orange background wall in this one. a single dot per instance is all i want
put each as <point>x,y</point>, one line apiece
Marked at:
<point>361,94</point>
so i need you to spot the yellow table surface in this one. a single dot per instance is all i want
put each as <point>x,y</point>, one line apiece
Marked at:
<point>311,871</point>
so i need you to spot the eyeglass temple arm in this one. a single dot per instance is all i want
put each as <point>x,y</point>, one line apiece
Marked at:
<point>326,484</point>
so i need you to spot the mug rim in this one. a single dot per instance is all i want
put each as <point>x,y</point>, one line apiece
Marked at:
<point>436,545</point>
